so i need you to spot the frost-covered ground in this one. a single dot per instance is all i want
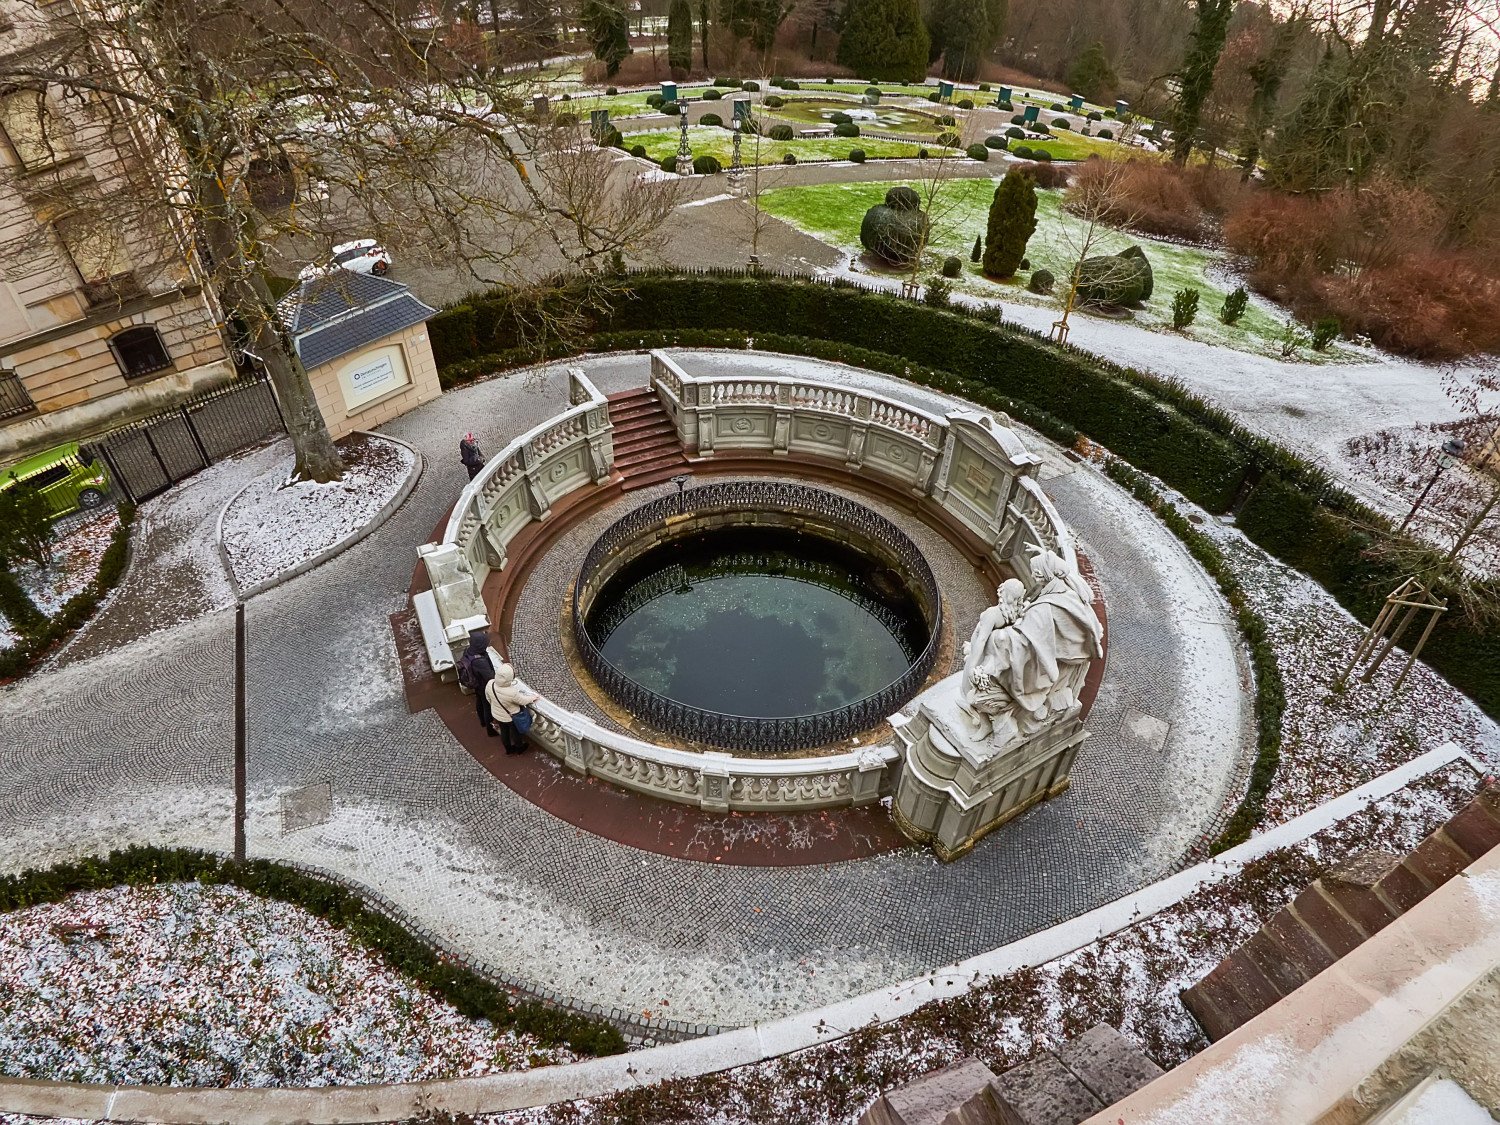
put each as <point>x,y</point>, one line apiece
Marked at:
<point>277,524</point>
<point>1332,740</point>
<point>1130,979</point>
<point>80,544</point>
<point>213,986</point>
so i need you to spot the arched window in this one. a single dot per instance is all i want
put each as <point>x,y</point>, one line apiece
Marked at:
<point>139,351</point>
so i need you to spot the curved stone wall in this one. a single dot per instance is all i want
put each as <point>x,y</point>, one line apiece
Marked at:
<point>966,469</point>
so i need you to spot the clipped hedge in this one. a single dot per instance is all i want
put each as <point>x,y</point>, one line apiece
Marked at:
<point>1285,504</point>
<point>37,640</point>
<point>473,995</point>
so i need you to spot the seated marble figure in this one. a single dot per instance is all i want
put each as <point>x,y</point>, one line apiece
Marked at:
<point>1025,664</point>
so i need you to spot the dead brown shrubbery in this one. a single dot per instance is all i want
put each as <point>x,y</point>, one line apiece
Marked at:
<point>1372,257</point>
<point>1046,175</point>
<point>1157,198</point>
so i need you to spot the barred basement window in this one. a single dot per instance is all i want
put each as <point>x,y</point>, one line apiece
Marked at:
<point>140,351</point>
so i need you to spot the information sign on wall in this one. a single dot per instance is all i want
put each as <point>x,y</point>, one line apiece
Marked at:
<point>373,374</point>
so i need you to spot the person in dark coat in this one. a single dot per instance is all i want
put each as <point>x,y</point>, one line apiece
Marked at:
<point>469,453</point>
<point>481,672</point>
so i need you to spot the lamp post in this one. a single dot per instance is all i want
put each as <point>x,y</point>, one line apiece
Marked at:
<point>684,153</point>
<point>680,480</point>
<point>736,167</point>
<point>1448,455</point>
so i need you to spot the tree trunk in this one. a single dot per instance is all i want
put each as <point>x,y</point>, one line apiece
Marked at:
<point>248,297</point>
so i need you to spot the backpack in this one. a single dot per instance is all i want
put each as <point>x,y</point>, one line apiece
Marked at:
<point>466,678</point>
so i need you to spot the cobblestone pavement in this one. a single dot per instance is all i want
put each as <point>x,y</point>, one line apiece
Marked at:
<point>134,746</point>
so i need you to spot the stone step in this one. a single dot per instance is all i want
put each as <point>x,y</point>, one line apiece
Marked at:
<point>649,455</point>
<point>659,435</point>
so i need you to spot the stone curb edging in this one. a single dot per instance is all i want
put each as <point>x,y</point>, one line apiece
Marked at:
<point>495,1093</point>
<point>247,592</point>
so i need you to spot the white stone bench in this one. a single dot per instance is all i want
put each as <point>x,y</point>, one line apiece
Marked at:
<point>814,134</point>
<point>439,655</point>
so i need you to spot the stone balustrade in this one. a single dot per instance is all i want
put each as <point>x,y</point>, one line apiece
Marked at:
<point>967,464</point>
<point>711,781</point>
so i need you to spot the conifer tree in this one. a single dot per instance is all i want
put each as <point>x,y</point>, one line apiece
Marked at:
<point>1197,74</point>
<point>1012,222</point>
<point>1091,75</point>
<point>884,40</point>
<point>680,38</point>
<point>609,33</point>
<point>965,37</point>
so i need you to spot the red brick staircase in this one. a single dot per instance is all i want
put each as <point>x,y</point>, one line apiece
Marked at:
<point>646,447</point>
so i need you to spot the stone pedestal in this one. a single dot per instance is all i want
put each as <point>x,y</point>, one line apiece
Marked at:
<point>955,787</point>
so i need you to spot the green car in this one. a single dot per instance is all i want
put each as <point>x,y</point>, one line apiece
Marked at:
<point>68,476</point>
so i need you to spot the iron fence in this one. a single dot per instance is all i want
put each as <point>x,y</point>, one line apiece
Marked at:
<point>149,456</point>
<point>750,733</point>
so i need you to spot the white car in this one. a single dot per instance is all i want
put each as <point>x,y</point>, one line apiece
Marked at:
<point>364,255</point>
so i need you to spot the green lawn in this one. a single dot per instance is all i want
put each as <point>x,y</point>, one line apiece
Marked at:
<point>711,141</point>
<point>1067,145</point>
<point>833,212</point>
<point>881,118</point>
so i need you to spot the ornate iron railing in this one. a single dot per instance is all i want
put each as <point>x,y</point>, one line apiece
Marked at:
<point>745,732</point>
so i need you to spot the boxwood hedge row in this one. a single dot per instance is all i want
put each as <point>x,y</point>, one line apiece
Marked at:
<point>1283,503</point>
<point>475,996</point>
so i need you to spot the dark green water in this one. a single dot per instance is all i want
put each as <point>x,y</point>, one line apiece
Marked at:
<point>764,623</point>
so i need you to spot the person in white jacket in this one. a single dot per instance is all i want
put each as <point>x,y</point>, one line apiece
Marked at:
<point>506,696</point>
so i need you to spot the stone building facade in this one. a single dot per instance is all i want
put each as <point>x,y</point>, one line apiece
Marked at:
<point>96,325</point>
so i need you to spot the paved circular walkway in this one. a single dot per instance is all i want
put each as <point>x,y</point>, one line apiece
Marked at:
<point>134,745</point>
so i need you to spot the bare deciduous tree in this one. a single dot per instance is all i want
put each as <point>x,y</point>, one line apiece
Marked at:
<point>1097,201</point>
<point>419,145</point>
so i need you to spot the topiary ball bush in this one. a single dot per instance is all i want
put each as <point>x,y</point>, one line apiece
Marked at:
<point>1041,127</point>
<point>892,235</point>
<point>996,142</point>
<point>1015,133</point>
<point>1062,123</point>
<point>712,95</point>
<point>611,138</point>
<point>638,151</point>
<point>728,82</point>
<point>947,119</point>
<point>966,103</point>
<point>1025,152</point>
<point>781,132</point>
<point>789,84</point>
<point>872,91</point>
<point>1005,107</point>
<point>1025,263</point>
<point>949,139</point>
<point>1018,119</point>
<point>777,80</point>
<point>829,81</point>
<point>567,97</point>
<point>857,155</point>
<point>669,162</point>
<point>773,102</point>
<point>565,119</point>
<point>789,158</point>
<point>710,119</point>
<point>839,117</point>
<point>847,129</point>
<point>984,87</point>
<point>654,100</point>
<point>1095,115</point>
<point>706,165</point>
<point>671,109</point>
<point>903,198</point>
<point>1057,107</point>
<point>952,266</point>
<point>978,152</point>
<point>1115,279</point>
<point>611,91</point>
<point>932,97</point>
<point>923,154</point>
<point>750,87</point>
<point>1041,154</point>
<point>1041,281</point>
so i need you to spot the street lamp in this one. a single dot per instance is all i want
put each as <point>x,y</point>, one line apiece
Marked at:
<point>680,480</point>
<point>736,167</point>
<point>1448,455</point>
